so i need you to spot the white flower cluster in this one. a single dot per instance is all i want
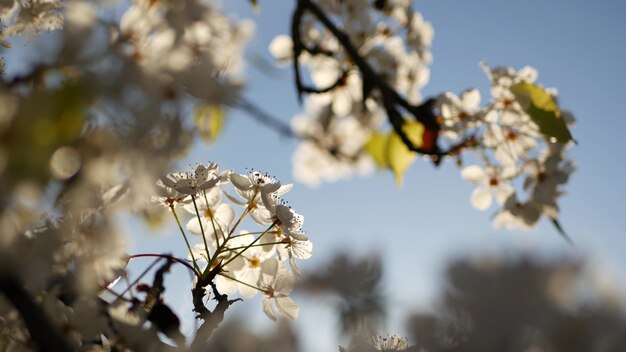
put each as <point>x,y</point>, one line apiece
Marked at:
<point>185,44</point>
<point>510,147</point>
<point>247,262</point>
<point>394,40</point>
<point>26,17</point>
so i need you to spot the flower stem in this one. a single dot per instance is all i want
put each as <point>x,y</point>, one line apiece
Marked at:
<point>250,245</point>
<point>243,215</point>
<point>193,259</point>
<point>206,201</point>
<point>166,256</point>
<point>206,245</point>
<point>252,233</point>
<point>256,245</point>
<point>241,282</point>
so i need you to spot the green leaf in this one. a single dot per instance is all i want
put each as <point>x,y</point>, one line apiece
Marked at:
<point>415,131</point>
<point>543,110</point>
<point>209,121</point>
<point>376,147</point>
<point>398,155</point>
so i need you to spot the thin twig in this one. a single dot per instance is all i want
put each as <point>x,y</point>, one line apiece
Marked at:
<point>264,117</point>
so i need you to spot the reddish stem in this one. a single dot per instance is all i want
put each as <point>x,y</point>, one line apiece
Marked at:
<point>167,256</point>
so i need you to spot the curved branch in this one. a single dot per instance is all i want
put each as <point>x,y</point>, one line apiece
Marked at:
<point>371,80</point>
<point>166,256</point>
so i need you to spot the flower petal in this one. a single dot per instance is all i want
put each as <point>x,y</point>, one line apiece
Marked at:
<point>481,198</point>
<point>241,182</point>
<point>224,214</point>
<point>281,47</point>
<point>284,282</point>
<point>302,249</point>
<point>193,226</point>
<point>250,277</point>
<point>225,285</point>
<point>474,173</point>
<point>503,191</point>
<point>470,99</point>
<point>268,309</point>
<point>287,306</point>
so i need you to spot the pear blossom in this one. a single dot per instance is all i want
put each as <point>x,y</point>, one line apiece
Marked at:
<point>168,196</point>
<point>281,48</point>
<point>277,283</point>
<point>214,215</point>
<point>515,214</point>
<point>459,112</point>
<point>250,272</point>
<point>203,178</point>
<point>492,181</point>
<point>297,249</point>
<point>258,192</point>
<point>510,143</point>
<point>505,108</point>
<point>288,222</point>
<point>332,148</point>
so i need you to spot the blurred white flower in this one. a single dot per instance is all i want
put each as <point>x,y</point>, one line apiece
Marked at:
<point>492,181</point>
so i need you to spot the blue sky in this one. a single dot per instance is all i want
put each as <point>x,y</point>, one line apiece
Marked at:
<point>577,46</point>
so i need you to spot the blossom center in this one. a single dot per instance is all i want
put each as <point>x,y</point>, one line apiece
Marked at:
<point>506,102</point>
<point>254,262</point>
<point>510,136</point>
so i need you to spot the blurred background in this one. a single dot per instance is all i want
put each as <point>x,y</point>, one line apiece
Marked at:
<point>414,232</point>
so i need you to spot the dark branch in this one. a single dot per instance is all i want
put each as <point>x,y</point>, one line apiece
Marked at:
<point>211,319</point>
<point>317,50</point>
<point>159,314</point>
<point>41,330</point>
<point>340,81</point>
<point>371,80</point>
<point>297,46</point>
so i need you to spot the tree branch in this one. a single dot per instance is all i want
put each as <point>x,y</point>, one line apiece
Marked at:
<point>41,330</point>
<point>211,319</point>
<point>371,80</point>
